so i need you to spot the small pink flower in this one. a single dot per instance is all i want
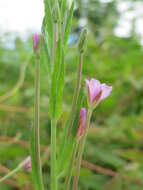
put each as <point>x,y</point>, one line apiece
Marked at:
<point>82,121</point>
<point>97,91</point>
<point>36,39</point>
<point>27,165</point>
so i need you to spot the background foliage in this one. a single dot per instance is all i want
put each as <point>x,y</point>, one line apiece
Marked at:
<point>113,157</point>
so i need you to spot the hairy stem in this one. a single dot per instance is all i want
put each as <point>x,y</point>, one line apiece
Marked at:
<point>37,123</point>
<point>70,167</point>
<point>53,156</point>
<point>53,123</point>
<point>80,153</point>
<point>76,93</point>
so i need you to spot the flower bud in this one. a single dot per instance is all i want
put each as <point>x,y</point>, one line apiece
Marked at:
<point>82,121</point>
<point>36,42</point>
<point>82,41</point>
<point>27,164</point>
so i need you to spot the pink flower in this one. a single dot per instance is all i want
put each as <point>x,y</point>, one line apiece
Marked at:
<point>27,164</point>
<point>36,39</point>
<point>82,121</point>
<point>97,91</point>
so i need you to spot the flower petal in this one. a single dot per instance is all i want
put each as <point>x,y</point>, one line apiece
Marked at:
<point>106,90</point>
<point>94,89</point>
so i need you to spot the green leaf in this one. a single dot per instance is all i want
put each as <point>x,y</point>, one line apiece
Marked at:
<point>68,24</point>
<point>35,171</point>
<point>56,68</point>
<point>45,49</point>
<point>60,87</point>
<point>48,21</point>
<point>63,9</point>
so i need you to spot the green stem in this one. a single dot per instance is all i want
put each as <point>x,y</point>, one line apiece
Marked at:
<point>37,122</point>
<point>80,153</point>
<point>76,93</point>
<point>53,120</point>
<point>71,165</point>
<point>11,173</point>
<point>53,156</point>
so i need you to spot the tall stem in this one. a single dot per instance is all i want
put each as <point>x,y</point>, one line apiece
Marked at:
<point>70,167</point>
<point>53,124</point>
<point>37,123</point>
<point>53,156</point>
<point>80,153</point>
<point>76,93</point>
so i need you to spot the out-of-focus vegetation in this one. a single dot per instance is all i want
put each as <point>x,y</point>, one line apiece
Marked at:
<point>113,158</point>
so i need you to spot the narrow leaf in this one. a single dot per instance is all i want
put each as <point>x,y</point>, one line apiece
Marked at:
<point>45,49</point>
<point>60,87</point>
<point>55,80</point>
<point>68,24</point>
<point>48,21</point>
<point>63,9</point>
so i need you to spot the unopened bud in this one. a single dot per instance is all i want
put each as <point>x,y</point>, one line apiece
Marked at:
<point>27,165</point>
<point>36,42</point>
<point>82,41</point>
<point>82,121</point>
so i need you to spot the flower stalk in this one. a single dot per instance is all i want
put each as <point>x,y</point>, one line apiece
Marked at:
<point>71,165</point>
<point>37,121</point>
<point>53,155</point>
<point>80,151</point>
<point>53,120</point>
<point>81,49</point>
<point>79,134</point>
<point>76,93</point>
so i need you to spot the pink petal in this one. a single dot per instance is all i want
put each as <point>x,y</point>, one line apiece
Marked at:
<point>27,165</point>
<point>106,90</point>
<point>94,88</point>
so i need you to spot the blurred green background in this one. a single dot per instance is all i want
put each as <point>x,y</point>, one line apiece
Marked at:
<point>113,158</point>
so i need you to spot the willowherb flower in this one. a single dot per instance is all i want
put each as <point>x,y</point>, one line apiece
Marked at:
<point>36,40</point>
<point>27,164</point>
<point>97,91</point>
<point>82,121</point>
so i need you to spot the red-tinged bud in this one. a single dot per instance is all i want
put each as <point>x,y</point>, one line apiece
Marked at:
<point>82,121</point>
<point>27,164</point>
<point>36,42</point>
